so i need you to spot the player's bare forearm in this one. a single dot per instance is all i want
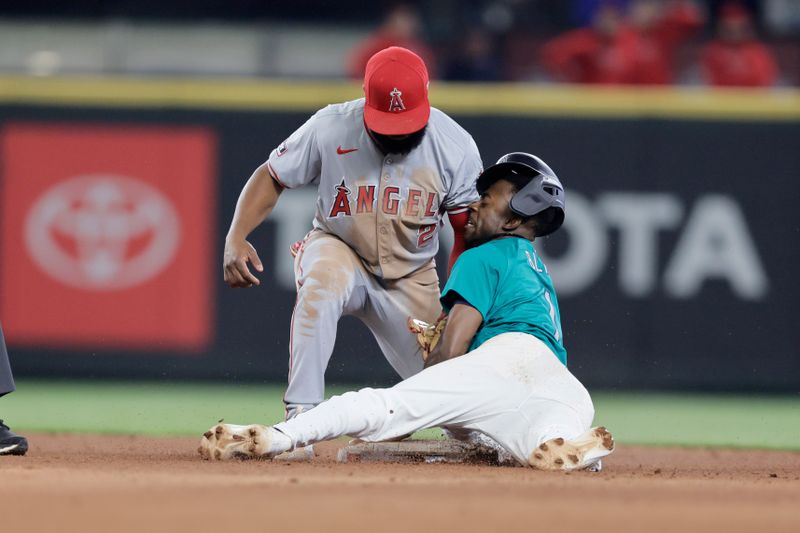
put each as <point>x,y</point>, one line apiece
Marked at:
<point>463,322</point>
<point>256,201</point>
<point>258,198</point>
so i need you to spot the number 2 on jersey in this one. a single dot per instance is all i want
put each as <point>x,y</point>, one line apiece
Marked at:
<point>425,234</point>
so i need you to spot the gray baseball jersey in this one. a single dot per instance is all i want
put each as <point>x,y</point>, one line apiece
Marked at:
<point>387,208</point>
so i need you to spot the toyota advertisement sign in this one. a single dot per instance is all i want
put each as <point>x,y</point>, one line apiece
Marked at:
<point>675,268</point>
<point>98,223</point>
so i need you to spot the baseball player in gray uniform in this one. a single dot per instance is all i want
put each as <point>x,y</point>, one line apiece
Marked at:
<point>387,168</point>
<point>10,443</point>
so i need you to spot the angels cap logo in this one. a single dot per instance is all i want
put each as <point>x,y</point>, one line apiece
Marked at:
<point>396,103</point>
<point>102,232</point>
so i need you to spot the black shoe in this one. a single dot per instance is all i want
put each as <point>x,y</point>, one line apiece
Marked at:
<point>10,442</point>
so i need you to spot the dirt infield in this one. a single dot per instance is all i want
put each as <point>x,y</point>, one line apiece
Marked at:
<point>117,484</point>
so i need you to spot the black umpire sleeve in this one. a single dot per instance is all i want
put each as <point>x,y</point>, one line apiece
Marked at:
<point>6,379</point>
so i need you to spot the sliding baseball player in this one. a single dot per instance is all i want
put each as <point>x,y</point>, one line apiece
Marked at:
<point>499,365</point>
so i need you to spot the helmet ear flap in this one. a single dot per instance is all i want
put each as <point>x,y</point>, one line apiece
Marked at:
<point>539,194</point>
<point>548,221</point>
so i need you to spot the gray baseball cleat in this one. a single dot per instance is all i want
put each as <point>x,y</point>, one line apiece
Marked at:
<point>10,442</point>
<point>581,453</point>
<point>301,453</point>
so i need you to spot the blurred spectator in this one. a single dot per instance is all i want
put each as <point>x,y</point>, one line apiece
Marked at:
<point>736,57</point>
<point>475,59</point>
<point>636,50</point>
<point>584,11</point>
<point>401,27</point>
<point>589,55</point>
<point>654,32</point>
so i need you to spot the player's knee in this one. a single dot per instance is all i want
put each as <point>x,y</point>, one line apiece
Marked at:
<point>325,288</point>
<point>329,275</point>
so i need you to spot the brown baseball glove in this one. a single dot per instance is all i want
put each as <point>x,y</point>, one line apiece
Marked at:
<point>428,335</point>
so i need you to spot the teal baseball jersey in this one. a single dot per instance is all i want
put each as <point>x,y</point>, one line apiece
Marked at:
<point>509,285</point>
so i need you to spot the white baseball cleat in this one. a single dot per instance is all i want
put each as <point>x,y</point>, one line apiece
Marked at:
<point>583,452</point>
<point>230,441</point>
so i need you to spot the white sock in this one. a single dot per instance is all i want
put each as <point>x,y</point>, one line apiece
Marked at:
<point>280,442</point>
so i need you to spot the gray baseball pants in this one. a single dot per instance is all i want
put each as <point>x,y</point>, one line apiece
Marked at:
<point>6,379</point>
<point>332,282</point>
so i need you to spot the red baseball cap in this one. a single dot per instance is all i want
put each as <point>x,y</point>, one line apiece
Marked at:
<point>396,90</point>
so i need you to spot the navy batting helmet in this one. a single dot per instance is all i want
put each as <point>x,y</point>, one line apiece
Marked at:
<point>542,192</point>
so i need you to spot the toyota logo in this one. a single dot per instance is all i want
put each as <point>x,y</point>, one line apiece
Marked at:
<point>102,232</point>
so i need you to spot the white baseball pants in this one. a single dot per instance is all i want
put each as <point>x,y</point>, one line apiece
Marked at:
<point>512,389</point>
<point>332,282</point>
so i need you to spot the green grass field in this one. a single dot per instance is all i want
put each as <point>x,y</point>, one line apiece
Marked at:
<point>189,409</point>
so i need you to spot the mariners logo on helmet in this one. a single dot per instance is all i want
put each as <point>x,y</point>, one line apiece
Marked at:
<point>396,103</point>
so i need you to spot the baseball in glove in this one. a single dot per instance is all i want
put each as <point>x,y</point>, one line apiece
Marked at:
<point>428,335</point>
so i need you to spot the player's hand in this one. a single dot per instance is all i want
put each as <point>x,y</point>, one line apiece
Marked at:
<point>238,252</point>
<point>428,335</point>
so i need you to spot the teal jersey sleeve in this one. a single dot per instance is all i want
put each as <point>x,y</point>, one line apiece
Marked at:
<point>474,278</point>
